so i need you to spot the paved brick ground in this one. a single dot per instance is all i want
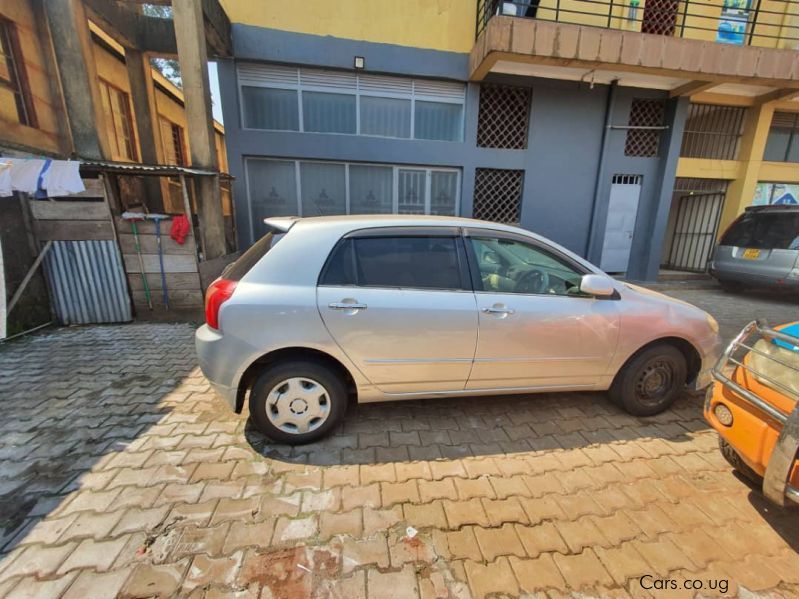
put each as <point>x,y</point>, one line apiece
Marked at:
<point>122,475</point>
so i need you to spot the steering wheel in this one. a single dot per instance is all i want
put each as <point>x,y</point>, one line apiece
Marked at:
<point>534,280</point>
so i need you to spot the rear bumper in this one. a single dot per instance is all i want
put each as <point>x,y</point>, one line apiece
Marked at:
<point>725,275</point>
<point>214,359</point>
<point>766,438</point>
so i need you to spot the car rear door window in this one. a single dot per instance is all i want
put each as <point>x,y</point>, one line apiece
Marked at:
<point>412,262</point>
<point>764,231</point>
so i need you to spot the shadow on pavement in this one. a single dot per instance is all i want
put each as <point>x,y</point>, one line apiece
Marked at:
<point>72,398</point>
<point>453,428</point>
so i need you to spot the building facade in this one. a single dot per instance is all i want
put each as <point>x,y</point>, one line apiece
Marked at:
<point>630,133</point>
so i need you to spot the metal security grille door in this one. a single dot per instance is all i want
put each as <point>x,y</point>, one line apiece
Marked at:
<point>695,231</point>
<point>625,192</point>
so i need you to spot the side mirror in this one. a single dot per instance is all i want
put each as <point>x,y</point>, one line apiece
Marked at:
<point>597,285</point>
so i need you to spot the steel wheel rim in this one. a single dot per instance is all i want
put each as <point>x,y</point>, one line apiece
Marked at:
<point>655,381</point>
<point>298,405</point>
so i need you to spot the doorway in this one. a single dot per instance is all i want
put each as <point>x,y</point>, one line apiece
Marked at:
<point>625,193</point>
<point>693,223</point>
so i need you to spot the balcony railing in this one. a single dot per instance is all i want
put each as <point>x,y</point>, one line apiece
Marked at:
<point>764,23</point>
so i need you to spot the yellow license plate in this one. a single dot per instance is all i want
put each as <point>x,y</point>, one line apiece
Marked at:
<point>751,254</point>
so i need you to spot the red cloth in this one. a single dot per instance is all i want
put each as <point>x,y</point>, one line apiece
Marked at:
<point>180,228</point>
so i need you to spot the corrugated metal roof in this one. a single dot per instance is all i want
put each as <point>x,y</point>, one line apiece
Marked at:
<point>157,170</point>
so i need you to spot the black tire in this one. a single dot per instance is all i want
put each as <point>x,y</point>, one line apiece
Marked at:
<point>738,464</point>
<point>650,381</point>
<point>328,378</point>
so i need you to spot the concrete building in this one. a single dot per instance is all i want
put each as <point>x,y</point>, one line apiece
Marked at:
<point>632,133</point>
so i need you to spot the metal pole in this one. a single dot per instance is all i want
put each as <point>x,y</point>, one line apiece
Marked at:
<point>684,17</point>
<point>754,22</point>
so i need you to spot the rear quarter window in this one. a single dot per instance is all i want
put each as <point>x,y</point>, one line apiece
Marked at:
<point>764,231</point>
<point>236,270</point>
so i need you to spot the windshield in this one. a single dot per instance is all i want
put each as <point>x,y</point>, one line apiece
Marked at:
<point>764,231</point>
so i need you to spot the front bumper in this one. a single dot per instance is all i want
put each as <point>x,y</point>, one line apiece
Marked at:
<point>214,359</point>
<point>766,437</point>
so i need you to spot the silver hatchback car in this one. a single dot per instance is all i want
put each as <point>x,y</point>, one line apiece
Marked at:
<point>761,249</point>
<point>380,308</point>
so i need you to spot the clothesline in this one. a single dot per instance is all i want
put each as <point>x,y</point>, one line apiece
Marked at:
<point>40,177</point>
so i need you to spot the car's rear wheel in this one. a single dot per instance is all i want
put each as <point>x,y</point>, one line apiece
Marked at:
<point>650,381</point>
<point>737,463</point>
<point>297,402</point>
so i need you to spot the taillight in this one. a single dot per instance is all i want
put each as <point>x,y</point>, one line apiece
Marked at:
<point>217,294</point>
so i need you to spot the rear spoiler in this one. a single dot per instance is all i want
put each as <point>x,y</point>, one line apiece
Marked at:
<point>281,223</point>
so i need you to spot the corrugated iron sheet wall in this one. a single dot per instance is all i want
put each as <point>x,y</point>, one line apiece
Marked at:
<point>87,280</point>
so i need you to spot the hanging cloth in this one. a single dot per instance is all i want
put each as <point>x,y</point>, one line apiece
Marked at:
<point>25,173</point>
<point>63,178</point>
<point>5,179</point>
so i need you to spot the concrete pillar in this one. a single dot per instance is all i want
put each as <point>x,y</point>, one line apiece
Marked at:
<point>741,191</point>
<point>187,16</point>
<point>142,93</point>
<point>646,268</point>
<point>78,75</point>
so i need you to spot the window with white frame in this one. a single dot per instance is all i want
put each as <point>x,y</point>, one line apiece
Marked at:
<point>316,101</point>
<point>314,188</point>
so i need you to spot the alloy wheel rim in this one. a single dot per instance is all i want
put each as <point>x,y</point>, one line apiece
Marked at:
<point>298,405</point>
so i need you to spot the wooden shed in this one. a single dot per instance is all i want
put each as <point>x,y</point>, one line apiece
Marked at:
<point>94,269</point>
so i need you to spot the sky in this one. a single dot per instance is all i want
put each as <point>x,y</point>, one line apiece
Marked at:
<point>215,95</point>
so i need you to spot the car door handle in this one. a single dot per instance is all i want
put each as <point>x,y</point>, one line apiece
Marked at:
<point>346,306</point>
<point>496,310</point>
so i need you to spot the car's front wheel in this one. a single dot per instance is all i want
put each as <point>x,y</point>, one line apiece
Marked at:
<point>650,381</point>
<point>297,402</point>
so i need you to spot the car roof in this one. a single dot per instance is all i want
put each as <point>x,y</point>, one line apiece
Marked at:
<point>774,208</point>
<point>364,221</point>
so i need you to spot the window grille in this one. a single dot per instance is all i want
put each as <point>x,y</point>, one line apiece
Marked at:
<point>504,117</point>
<point>660,17</point>
<point>643,138</point>
<point>498,195</point>
<point>712,131</point>
<point>627,179</point>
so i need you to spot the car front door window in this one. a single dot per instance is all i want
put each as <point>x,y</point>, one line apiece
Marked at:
<point>511,266</point>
